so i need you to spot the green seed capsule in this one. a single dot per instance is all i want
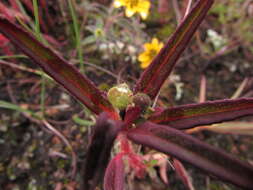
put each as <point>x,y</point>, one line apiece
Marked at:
<point>120,96</point>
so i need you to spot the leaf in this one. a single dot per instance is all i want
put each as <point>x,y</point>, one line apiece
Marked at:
<point>183,174</point>
<point>30,6</point>
<point>237,128</point>
<point>99,149</point>
<point>55,66</point>
<point>132,114</point>
<point>14,5</point>
<point>83,122</point>
<point>154,76</point>
<point>18,108</point>
<point>11,13</point>
<point>187,148</point>
<point>115,175</point>
<point>188,116</point>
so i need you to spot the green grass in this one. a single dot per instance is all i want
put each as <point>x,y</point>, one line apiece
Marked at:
<point>77,35</point>
<point>40,38</point>
<point>11,106</point>
<point>13,56</point>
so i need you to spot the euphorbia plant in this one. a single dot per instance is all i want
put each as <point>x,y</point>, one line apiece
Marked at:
<point>126,115</point>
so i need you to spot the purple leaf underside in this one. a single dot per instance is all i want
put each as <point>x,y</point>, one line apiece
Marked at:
<point>187,148</point>
<point>115,175</point>
<point>188,116</point>
<point>58,68</point>
<point>99,150</point>
<point>132,114</point>
<point>158,71</point>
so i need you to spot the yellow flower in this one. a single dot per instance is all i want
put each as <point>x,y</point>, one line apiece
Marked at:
<point>134,6</point>
<point>151,50</point>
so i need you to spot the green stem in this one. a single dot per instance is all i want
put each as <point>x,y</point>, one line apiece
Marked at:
<point>37,22</point>
<point>40,38</point>
<point>12,56</point>
<point>77,35</point>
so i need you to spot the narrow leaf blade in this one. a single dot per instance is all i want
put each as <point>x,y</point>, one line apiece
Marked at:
<point>191,115</point>
<point>237,128</point>
<point>154,76</point>
<point>183,174</point>
<point>186,148</point>
<point>55,66</point>
<point>115,175</point>
<point>99,149</point>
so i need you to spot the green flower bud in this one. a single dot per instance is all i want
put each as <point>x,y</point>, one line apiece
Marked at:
<point>120,96</point>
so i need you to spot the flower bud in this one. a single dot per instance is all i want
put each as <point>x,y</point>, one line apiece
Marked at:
<point>142,100</point>
<point>120,96</point>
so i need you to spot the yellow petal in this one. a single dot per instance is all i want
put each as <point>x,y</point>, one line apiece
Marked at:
<point>144,15</point>
<point>143,57</point>
<point>160,46</point>
<point>117,4</point>
<point>145,5</point>
<point>147,46</point>
<point>144,65</point>
<point>143,9</point>
<point>129,12</point>
<point>155,41</point>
